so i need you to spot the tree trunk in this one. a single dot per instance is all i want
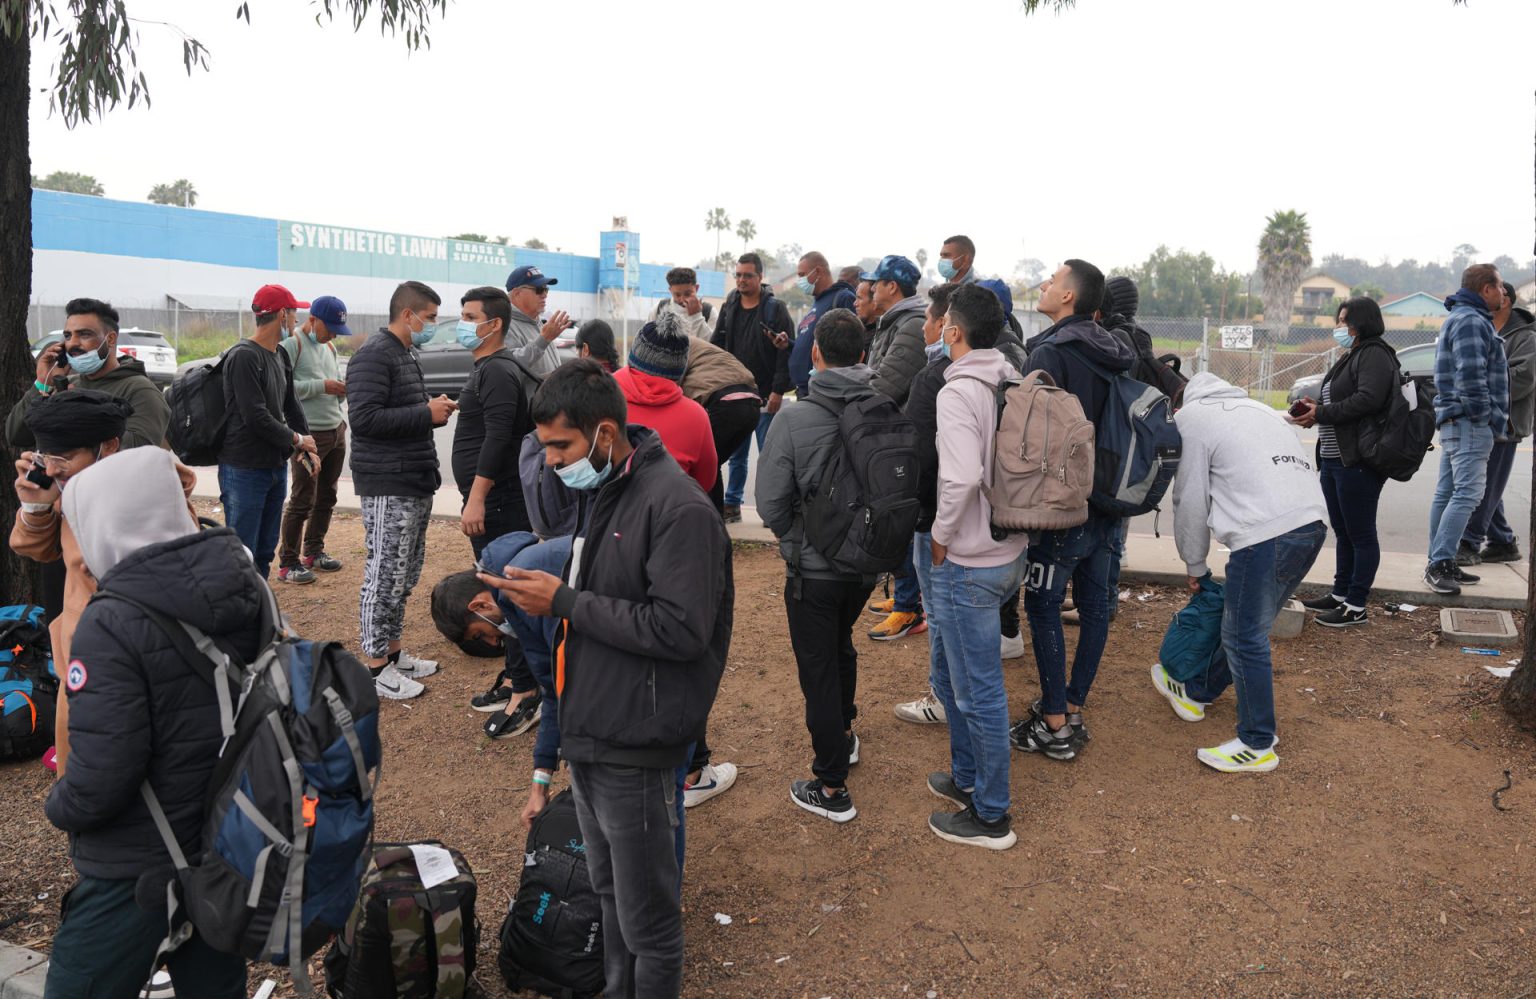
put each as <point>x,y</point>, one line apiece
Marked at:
<point>1519,694</point>
<point>18,576</point>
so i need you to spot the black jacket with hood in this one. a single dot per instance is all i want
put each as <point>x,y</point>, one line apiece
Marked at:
<point>142,708</point>
<point>1074,352</point>
<point>393,453</point>
<point>648,621</point>
<point>923,410</point>
<point>754,348</point>
<point>1360,385</point>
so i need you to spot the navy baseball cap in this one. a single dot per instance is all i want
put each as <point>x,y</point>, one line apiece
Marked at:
<point>333,312</point>
<point>894,268</point>
<point>996,286</point>
<point>529,275</point>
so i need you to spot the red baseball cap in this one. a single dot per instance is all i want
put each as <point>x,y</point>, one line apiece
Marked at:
<point>274,298</point>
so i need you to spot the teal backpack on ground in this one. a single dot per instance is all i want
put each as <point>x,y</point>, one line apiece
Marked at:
<point>1194,635</point>
<point>29,687</point>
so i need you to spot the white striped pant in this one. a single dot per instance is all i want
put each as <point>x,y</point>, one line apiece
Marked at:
<point>395,533</point>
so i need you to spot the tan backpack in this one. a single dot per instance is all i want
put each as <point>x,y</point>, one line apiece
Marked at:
<point>1042,466</point>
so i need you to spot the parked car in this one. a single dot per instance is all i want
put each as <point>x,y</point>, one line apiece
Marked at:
<point>1417,362</point>
<point>445,365</point>
<point>149,347</point>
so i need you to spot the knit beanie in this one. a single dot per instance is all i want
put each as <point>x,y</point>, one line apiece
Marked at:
<point>1121,297</point>
<point>661,349</point>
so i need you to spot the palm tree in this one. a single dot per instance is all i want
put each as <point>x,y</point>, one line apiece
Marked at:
<point>922,261</point>
<point>717,221</point>
<point>746,229</point>
<point>1285,252</point>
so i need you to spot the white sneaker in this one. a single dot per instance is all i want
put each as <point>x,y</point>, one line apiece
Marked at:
<point>926,710</point>
<point>1013,647</point>
<point>1234,757</point>
<point>396,686</point>
<point>716,778</point>
<point>1183,705</point>
<point>415,668</point>
<point>158,986</point>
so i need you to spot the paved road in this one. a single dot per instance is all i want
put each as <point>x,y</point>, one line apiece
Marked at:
<point>1403,520</point>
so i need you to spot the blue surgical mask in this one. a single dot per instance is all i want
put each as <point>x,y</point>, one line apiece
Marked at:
<point>581,474</point>
<point>946,268</point>
<point>89,363</point>
<point>503,627</point>
<point>804,286</point>
<point>468,338</point>
<point>312,340</point>
<point>428,330</point>
<point>1343,337</point>
<point>944,346</point>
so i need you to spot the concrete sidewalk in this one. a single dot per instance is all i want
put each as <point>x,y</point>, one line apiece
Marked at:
<point>1150,558</point>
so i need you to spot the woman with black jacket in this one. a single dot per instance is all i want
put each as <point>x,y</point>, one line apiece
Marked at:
<point>1358,387</point>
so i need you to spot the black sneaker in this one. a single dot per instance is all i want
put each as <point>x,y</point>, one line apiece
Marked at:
<point>967,829</point>
<point>1326,602</point>
<point>1496,551</point>
<point>732,514</point>
<point>494,699</point>
<point>1441,577</point>
<point>1037,737</point>
<point>811,796</point>
<point>1080,732</point>
<point>943,786</point>
<point>523,717</point>
<point>1465,578</point>
<point>853,748</point>
<point>1342,617</point>
<point>1466,553</point>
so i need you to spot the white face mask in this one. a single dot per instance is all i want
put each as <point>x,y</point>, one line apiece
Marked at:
<point>503,627</point>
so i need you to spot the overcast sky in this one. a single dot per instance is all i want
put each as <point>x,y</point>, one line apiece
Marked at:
<point>1402,127</point>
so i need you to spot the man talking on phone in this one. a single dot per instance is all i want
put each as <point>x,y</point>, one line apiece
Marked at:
<point>756,327</point>
<point>645,607</point>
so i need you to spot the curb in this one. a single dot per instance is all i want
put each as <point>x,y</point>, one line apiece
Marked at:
<point>22,972</point>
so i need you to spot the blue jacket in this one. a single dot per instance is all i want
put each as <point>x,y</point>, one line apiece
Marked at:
<point>1471,371</point>
<point>837,296</point>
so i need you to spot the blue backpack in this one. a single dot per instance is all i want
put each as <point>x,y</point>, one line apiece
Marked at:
<point>1138,447</point>
<point>1194,634</point>
<point>289,812</point>
<point>29,687</point>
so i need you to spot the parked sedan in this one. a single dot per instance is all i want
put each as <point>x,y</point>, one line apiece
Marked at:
<point>149,347</point>
<point>1417,362</point>
<point>445,365</point>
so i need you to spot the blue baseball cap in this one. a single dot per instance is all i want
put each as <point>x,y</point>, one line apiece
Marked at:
<point>894,268</point>
<point>529,275</point>
<point>333,312</point>
<point>999,288</point>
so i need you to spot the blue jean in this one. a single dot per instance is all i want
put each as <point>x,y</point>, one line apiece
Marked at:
<point>1463,475</point>
<point>1260,579</point>
<point>907,589</point>
<point>736,484</point>
<point>253,505</point>
<point>966,670</point>
<point>1487,522</point>
<point>1084,554</point>
<point>1352,494</point>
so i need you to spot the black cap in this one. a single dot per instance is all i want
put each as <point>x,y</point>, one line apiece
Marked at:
<point>77,418</point>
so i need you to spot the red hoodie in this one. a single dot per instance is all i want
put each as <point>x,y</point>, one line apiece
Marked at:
<point>680,422</point>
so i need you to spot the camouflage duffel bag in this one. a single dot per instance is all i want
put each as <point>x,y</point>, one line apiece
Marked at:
<point>412,933</point>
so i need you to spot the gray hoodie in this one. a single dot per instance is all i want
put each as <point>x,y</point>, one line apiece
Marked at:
<point>141,479</point>
<point>1244,474</point>
<point>800,442</point>
<point>530,349</point>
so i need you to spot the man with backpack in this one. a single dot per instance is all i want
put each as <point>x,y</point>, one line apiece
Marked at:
<point>143,712</point>
<point>265,426</point>
<point>395,473</point>
<point>822,599</point>
<point>967,572</point>
<point>646,606</point>
<point>1246,477</point>
<point>317,384</point>
<point>1082,358</point>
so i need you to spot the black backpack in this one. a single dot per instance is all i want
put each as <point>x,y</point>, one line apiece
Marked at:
<point>198,418</point>
<point>29,687</point>
<point>864,510</point>
<point>552,938</point>
<point>1393,442</point>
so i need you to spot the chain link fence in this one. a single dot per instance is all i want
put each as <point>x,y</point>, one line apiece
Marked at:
<point>195,333</point>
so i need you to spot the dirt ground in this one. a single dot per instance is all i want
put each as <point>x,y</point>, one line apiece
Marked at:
<point>1373,862</point>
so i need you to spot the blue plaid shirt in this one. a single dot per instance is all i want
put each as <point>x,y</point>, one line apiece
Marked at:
<point>1471,372</point>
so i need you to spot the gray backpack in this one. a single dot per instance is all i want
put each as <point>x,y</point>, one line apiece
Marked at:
<point>1042,465</point>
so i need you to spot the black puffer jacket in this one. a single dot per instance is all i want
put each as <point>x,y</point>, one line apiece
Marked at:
<point>1360,384</point>
<point>648,625</point>
<point>393,453</point>
<point>142,708</point>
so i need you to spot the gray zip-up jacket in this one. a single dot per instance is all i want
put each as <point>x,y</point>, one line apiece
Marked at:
<point>530,349</point>
<point>896,354</point>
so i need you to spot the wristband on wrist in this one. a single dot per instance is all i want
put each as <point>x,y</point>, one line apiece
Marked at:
<point>37,508</point>
<point>43,387</point>
<point>541,777</point>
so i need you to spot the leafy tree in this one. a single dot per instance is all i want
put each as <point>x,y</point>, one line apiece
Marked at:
<point>1375,292</point>
<point>921,256</point>
<point>95,69</point>
<point>746,229</point>
<point>70,183</point>
<point>717,221</point>
<point>180,192</point>
<point>1030,270</point>
<point>536,243</point>
<point>1182,283</point>
<point>473,237</point>
<point>1285,253</point>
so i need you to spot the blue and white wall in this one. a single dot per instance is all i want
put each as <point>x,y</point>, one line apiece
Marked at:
<point>141,255</point>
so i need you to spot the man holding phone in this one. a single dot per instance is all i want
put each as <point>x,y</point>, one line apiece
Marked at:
<point>757,329</point>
